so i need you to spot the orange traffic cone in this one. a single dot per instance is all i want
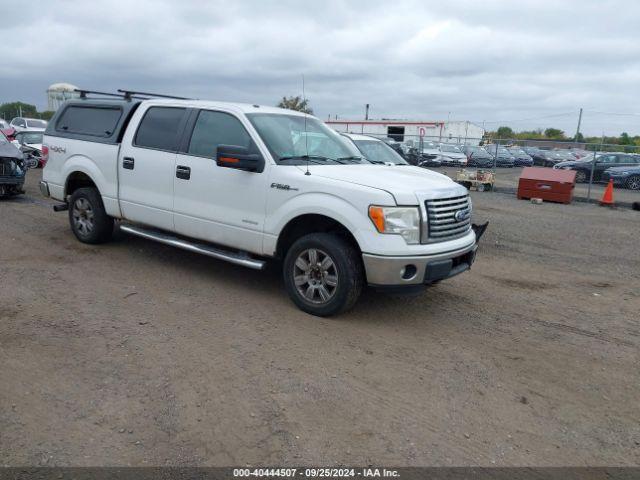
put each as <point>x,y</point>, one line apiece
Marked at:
<point>607,196</point>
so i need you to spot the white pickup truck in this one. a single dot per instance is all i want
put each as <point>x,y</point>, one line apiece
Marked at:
<point>248,183</point>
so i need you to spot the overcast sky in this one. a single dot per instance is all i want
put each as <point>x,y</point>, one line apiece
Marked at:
<point>503,62</point>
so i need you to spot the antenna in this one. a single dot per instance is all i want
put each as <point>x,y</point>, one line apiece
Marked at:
<point>306,137</point>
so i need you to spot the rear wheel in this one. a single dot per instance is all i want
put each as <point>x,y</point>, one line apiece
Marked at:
<point>323,274</point>
<point>633,182</point>
<point>89,221</point>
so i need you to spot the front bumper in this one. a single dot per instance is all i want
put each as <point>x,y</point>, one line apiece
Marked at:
<point>383,271</point>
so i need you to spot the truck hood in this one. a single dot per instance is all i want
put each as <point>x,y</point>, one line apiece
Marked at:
<point>408,185</point>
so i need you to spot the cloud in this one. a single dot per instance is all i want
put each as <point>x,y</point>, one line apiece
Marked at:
<point>480,61</point>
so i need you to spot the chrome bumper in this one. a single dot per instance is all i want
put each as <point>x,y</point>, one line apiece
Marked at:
<point>44,189</point>
<point>419,270</point>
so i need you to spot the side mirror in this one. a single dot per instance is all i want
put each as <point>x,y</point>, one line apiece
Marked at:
<point>240,158</point>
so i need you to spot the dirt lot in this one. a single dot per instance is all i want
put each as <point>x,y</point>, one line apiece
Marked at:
<point>134,353</point>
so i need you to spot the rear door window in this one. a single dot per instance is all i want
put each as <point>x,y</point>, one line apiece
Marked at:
<point>160,128</point>
<point>216,128</point>
<point>90,120</point>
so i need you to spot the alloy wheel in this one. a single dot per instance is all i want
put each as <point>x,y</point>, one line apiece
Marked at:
<point>83,216</point>
<point>634,182</point>
<point>315,276</point>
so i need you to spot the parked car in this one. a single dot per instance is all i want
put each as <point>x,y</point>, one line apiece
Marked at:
<point>29,124</point>
<point>477,157</point>
<point>398,147</point>
<point>30,143</point>
<point>579,153</point>
<point>241,183</point>
<point>522,158</point>
<point>502,156</point>
<point>452,155</point>
<point>3,124</point>
<point>375,150</point>
<point>538,155</point>
<point>12,168</point>
<point>628,177</point>
<point>549,158</point>
<point>428,154</point>
<point>603,162</point>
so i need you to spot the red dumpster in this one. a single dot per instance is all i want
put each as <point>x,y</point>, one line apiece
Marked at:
<point>547,183</point>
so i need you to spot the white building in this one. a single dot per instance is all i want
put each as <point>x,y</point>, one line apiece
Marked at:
<point>58,93</point>
<point>412,130</point>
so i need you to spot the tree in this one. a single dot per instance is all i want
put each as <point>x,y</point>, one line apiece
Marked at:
<point>624,139</point>
<point>295,103</point>
<point>14,109</point>
<point>46,115</point>
<point>505,132</point>
<point>554,133</point>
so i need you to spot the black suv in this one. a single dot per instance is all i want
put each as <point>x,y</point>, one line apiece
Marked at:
<point>603,162</point>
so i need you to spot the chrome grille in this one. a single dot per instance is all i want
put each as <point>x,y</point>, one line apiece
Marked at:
<point>441,222</point>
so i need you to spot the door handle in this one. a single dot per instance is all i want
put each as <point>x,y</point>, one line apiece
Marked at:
<point>183,172</point>
<point>128,163</point>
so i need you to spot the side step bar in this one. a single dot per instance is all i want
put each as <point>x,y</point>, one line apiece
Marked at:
<point>168,239</point>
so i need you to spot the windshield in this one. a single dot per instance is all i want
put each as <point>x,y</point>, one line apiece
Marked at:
<point>290,141</point>
<point>36,124</point>
<point>450,148</point>
<point>31,138</point>
<point>377,151</point>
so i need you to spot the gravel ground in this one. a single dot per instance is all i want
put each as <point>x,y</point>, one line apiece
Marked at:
<point>134,353</point>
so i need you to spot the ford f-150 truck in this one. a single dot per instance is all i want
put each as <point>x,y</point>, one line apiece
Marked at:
<point>248,183</point>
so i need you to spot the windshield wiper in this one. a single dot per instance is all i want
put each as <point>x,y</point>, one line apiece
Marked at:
<point>310,158</point>
<point>352,158</point>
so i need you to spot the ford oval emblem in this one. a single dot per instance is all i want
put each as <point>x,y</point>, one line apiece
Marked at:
<point>462,215</point>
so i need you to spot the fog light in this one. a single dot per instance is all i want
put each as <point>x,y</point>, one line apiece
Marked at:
<point>408,272</point>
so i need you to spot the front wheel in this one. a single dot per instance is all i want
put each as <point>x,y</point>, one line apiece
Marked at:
<point>88,218</point>
<point>323,274</point>
<point>633,182</point>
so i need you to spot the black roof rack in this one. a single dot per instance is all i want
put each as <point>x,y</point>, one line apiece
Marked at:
<point>127,94</point>
<point>130,93</point>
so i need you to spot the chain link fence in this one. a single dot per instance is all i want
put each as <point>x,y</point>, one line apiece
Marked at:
<point>594,163</point>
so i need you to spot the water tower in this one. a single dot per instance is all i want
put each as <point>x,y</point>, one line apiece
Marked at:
<point>59,93</point>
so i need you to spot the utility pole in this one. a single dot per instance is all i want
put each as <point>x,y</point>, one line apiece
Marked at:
<point>578,129</point>
<point>366,112</point>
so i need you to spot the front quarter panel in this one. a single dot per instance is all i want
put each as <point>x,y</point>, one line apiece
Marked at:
<point>292,194</point>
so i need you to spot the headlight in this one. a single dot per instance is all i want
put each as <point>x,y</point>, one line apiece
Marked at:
<point>403,221</point>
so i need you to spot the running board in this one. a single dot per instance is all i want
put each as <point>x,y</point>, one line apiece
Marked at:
<point>242,259</point>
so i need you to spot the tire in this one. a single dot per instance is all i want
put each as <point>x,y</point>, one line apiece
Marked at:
<point>341,280</point>
<point>87,217</point>
<point>633,182</point>
<point>581,176</point>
